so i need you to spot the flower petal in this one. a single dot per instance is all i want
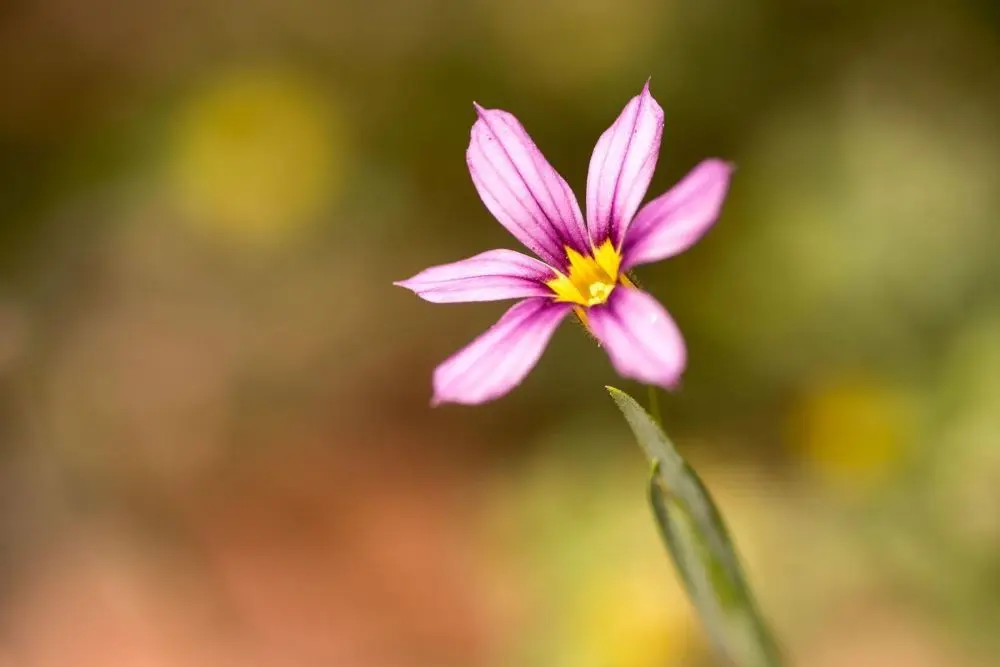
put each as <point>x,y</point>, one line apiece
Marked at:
<point>498,360</point>
<point>521,189</point>
<point>673,222</point>
<point>488,276</point>
<point>641,338</point>
<point>621,168</point>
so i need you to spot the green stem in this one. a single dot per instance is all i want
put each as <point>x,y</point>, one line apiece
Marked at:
<point>654,404</point>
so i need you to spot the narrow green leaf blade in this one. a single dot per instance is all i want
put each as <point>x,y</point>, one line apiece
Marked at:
<point>700,546</point>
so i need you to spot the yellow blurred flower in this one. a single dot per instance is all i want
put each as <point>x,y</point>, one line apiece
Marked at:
<point>256,155</point>
<point>600,586</point>
<point>852,430</point>
<point>633,616</point>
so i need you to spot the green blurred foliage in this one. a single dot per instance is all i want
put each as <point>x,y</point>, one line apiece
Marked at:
<point>215,439</point>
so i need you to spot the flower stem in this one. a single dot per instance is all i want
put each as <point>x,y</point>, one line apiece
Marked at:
<point>654,404</point>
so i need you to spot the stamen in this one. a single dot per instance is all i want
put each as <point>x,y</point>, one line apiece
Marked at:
<point>590,279</point>
<point>599,293</point>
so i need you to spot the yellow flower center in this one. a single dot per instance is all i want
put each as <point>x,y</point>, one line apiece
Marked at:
<point>590,279</point>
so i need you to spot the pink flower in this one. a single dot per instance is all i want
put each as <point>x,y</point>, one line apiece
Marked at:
<point>583,266</point>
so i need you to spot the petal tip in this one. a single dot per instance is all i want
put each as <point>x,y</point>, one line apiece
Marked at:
<point>438,399</point>
<point>721,164</point>
<point>646,96</point>
<point>728,164</point>
<point>407,285</point>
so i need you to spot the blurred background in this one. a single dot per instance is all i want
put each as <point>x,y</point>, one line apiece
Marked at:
<point>216,446</point>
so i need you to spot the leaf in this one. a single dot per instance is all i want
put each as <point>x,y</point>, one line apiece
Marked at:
<point>696,537</point>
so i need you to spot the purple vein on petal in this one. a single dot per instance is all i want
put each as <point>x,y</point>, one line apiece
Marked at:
<point>540,243</point>
<point>521,188</point>
<point>677,219</point>
<point>562,210</point>
<point>622,167</point>
<point>536,214</point>
<point>489,276</point>
<point>497,361</point>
